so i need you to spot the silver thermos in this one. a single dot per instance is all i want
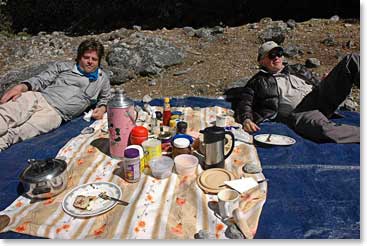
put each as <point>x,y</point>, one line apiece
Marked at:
<point>214,142</point>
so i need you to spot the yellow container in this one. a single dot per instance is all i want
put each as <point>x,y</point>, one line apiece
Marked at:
<point>152,148</point>
<point>175,117</point>
<point>172,123</point>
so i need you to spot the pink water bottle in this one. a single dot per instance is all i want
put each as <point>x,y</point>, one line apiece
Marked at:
<point>121,119</point>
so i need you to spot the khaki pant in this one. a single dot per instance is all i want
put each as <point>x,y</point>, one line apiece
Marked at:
<point>28,116</point>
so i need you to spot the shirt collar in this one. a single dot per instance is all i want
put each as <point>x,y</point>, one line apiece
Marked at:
<point>93,76</point>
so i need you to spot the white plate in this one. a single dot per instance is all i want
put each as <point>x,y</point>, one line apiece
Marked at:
<point>275,139</point>
<point>98,205</point>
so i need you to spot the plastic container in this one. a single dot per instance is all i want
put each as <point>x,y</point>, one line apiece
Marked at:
<point>152,148</point>
<point>131,165</point>
<point>161,167</point>
<point>180,135</point>
<point>186,164</point>
<point>141,155</point>
<point>138,135</point>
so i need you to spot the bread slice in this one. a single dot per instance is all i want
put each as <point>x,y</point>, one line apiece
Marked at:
<point>81,202</point>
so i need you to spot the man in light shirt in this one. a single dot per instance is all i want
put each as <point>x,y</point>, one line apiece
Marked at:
<point>293,95</point>
<point>61,93</point>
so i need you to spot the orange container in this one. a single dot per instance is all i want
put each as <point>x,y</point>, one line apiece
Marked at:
<point>138,135</point>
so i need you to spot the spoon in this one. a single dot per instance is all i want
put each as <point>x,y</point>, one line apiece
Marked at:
<point>104,196</point>
<point>268,138</point>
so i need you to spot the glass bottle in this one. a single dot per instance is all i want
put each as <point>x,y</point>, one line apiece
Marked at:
<point>166,112</point>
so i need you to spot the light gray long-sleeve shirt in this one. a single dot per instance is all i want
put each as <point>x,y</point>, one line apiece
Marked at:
<point>291,91</point>
<point>69,91</point>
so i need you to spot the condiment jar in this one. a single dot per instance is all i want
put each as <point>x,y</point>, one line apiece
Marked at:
<point>180,146</point>
<point>172,126</point>
<point>181,127</point>
<point>138,135</point>
<point>177,115</point>
<point>165,137</point>
<point>141,155</point>
<point>131,165</point>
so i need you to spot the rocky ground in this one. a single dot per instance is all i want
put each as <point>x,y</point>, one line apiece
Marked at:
<point>214,59</point>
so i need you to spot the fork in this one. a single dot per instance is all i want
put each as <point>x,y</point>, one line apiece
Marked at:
<point>268,138</point>
<point>104,196</point>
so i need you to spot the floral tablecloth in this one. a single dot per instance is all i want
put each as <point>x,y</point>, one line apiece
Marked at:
<point>171,208</point>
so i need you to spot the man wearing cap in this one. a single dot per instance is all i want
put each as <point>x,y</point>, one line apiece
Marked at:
<point>293,95</point>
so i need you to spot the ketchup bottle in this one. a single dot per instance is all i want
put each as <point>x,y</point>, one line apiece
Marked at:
<point>166,112</point>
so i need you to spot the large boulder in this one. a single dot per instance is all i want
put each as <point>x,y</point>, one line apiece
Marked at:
<point>276,31</point>
<point>15,76</point>
<point>141,56</point>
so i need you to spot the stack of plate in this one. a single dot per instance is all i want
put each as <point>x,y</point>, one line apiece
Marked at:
<point>212,180</point>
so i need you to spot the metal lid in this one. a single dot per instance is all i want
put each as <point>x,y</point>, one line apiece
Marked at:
<point>164,136</point>
<point>42,170</point>
<point>119,100</point>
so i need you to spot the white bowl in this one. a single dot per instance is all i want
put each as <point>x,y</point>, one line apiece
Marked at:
<point>186,164</point>
<point>161,166</point>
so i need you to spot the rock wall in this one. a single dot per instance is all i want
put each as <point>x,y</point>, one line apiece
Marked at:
<point>93,16</point>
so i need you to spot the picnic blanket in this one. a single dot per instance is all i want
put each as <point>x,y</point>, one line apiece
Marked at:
<point>313,189</point>
<point>172,208</point>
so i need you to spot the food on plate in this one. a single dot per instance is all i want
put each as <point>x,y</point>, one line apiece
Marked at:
<point>82,202</point>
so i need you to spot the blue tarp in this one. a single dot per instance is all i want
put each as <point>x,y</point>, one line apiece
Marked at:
<point>314,189</point>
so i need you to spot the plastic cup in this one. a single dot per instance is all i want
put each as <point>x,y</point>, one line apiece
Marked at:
<point>161,167</point>
<point>186,164</point>
<point>152,148</point>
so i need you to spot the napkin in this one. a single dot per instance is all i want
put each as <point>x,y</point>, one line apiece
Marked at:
<point>242,185</point>
<point>88,116</point>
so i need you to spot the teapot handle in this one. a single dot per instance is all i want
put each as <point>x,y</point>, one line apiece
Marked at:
<point>131,117</point>
<point>233,142</point>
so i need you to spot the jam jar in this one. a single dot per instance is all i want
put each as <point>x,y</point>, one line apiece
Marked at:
<point>180,146</point>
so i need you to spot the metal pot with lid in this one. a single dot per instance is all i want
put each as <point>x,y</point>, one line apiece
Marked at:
<point>44,178</point>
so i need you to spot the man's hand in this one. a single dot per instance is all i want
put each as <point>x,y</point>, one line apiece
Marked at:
<point>250,126</point>
<point>14,93</point>
<point>98,112</point>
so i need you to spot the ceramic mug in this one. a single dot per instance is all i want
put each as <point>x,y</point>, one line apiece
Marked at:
<point>228,200</point>
<point>220,120</point>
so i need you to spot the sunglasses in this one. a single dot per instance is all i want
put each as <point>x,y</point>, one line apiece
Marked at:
<point>275,53</point>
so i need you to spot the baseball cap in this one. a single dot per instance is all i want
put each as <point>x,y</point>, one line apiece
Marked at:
<point>265,48</point>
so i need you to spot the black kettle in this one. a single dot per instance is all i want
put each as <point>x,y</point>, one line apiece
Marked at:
<point>214,142</point>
